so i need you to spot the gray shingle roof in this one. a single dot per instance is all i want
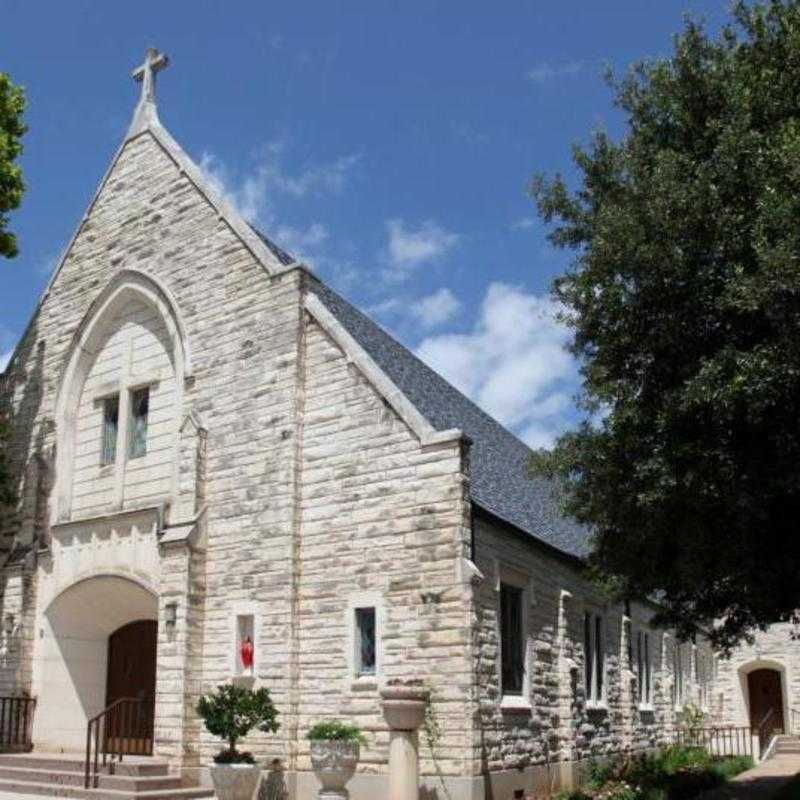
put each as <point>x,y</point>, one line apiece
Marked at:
<point>500,483</point>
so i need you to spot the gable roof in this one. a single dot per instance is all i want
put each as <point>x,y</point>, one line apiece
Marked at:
<point>500,482</point>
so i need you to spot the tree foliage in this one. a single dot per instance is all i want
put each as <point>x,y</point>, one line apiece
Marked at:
<point>684,300</point>
<point>231,712</point>
<point>12,106</point>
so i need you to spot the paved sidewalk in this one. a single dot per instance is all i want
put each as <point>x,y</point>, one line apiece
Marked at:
<point>761,782</point>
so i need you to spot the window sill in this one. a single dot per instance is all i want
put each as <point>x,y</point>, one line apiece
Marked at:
<point>515,704</point>
<point>364,683</point>
<point>646,708</point>
<point>597,705</point>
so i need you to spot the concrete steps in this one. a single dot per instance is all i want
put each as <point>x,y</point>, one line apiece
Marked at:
<point>136,778</point>
<point>785,744</point>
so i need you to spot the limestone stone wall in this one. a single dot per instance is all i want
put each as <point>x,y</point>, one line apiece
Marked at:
<point>241,326</point>
<point>554,722</point>
<point>382,523</point>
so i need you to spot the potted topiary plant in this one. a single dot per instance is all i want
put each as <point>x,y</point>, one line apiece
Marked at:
<point>230,713</point>
<point>335,748</point>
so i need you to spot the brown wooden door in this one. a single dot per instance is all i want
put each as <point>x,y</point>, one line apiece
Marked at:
<point>766,701</point>
<point>132,674</point>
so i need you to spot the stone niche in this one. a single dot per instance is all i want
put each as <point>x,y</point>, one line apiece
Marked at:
<point>245,654</point>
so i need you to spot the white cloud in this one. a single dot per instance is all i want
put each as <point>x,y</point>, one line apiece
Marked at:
<point>5,357</point>
<point>435,309</point>
<point>523,224</point>
<point>513,363</point>
<point>409,247</point>
<point>542,73</point>
<point>253,195</point>
<point>426,313</point>
<point>259,195</point>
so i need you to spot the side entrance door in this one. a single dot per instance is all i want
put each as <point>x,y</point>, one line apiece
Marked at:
<point>766,701</point>
<point>132,674</point>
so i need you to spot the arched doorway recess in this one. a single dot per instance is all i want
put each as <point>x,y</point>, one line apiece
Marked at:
<point>74,678</point>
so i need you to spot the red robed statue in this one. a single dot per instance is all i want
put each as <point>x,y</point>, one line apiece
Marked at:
<point>246,652</point>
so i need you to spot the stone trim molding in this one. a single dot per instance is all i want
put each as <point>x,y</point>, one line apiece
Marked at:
<point>380,381</point>
<point>96,324</point>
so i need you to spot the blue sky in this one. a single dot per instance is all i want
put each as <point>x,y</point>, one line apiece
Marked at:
<point>389,144</point>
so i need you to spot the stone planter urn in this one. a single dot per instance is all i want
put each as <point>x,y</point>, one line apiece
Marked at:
<point>235,781</point>
<point>334,763</point>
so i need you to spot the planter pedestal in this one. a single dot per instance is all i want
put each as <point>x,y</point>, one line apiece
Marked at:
<point>404,711</point>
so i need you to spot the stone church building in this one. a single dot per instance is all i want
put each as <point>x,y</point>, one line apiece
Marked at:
<point>213,445</point>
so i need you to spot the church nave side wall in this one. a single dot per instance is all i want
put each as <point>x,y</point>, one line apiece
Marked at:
<point>554,721</point>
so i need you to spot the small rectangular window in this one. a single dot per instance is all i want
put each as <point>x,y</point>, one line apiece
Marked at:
<point>594,655</point>
<point>512,644</point>
<point>140,406</point>
<point>365,641</point>
<point>108,451</point>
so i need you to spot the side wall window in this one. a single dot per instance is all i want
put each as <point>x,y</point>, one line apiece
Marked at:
<point>594,656</point>
<point>644,669</point>
<point>366,641</point>
<point>512,639</point>
<point>677,673</point>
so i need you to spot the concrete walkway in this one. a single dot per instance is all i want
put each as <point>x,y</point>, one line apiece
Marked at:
<point>761,782</point>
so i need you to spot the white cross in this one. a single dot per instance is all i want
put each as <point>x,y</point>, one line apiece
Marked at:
<point>146,73</point>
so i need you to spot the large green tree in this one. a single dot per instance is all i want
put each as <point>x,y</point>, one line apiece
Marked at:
<point>12,106</point>
<point>684,298</point>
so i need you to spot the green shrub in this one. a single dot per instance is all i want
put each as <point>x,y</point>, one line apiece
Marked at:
<point>675,773</point>
<point>231,712</point>
<point>335,731</point>
<point>572,794</point>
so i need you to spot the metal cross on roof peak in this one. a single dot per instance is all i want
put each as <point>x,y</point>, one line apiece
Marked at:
<point>146,73</point>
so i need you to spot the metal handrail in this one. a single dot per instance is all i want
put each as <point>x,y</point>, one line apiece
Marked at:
<point>126,727</point>
<point>16,723</point>
<point>763,744</point>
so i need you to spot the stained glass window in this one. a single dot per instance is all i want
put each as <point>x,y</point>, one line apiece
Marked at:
<point>140,405</point>
<point>365,631</point>
<point>512,645</point>
<point>108,452</point>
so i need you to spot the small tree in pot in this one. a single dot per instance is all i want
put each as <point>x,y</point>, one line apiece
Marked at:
<point>230,713</point>
<point>335,748</point>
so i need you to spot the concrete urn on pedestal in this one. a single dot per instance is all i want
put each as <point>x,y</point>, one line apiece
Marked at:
<point>334,763</point>
<point>404,705</point>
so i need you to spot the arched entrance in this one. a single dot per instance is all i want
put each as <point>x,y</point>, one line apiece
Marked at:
<point>98,642</point>
<point>765,700</point>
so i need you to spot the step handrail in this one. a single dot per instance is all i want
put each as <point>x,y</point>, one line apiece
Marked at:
<point>121,721</point>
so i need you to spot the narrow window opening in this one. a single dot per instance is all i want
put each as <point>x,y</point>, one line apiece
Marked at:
<point>511,640</point>
<point>594,654</point>
<point>140,407</point>
<point>365,641</point>
<point>643,667</point>
<point>108,452</point>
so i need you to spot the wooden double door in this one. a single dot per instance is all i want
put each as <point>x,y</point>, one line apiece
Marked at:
<point>132,676</point>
